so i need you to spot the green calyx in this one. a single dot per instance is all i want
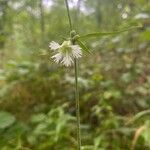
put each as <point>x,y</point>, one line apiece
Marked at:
<point>65,47</point>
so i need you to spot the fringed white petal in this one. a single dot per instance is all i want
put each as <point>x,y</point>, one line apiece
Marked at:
<point>54,46</point>
<point>57,57</point>
<point>76,51</point>
<point>67,60</point>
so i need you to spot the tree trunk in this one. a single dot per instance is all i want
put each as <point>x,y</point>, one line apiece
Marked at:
<point>42,21</point>
<point>3,7</point>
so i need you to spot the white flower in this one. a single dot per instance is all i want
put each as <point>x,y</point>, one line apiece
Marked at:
<point>65,53</point>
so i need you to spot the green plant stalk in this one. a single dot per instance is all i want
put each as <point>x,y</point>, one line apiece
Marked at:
<point>77,104</point>
<point>68,13</point>
<point>76,85</point>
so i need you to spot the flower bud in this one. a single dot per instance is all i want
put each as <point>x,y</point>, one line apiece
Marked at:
<point>73,33</point>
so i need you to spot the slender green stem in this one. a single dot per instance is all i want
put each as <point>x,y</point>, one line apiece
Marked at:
<point>77,104</point>
<point>68,12</point>
<point>76,86</point>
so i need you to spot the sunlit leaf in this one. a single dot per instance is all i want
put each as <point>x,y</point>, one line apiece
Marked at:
<point>6,119</point>
<point>38,118</point>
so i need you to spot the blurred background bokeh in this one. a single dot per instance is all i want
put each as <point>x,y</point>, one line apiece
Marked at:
<point>37,106</point>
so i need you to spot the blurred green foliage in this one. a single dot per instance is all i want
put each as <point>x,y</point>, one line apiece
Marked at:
<point>37,107</point>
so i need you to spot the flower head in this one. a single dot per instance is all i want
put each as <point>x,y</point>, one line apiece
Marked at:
<point>65,53</point>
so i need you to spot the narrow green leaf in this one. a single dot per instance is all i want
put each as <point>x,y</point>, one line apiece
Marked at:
<point>83,46</point>
<point>139,115</point>
<point>100,34</point>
